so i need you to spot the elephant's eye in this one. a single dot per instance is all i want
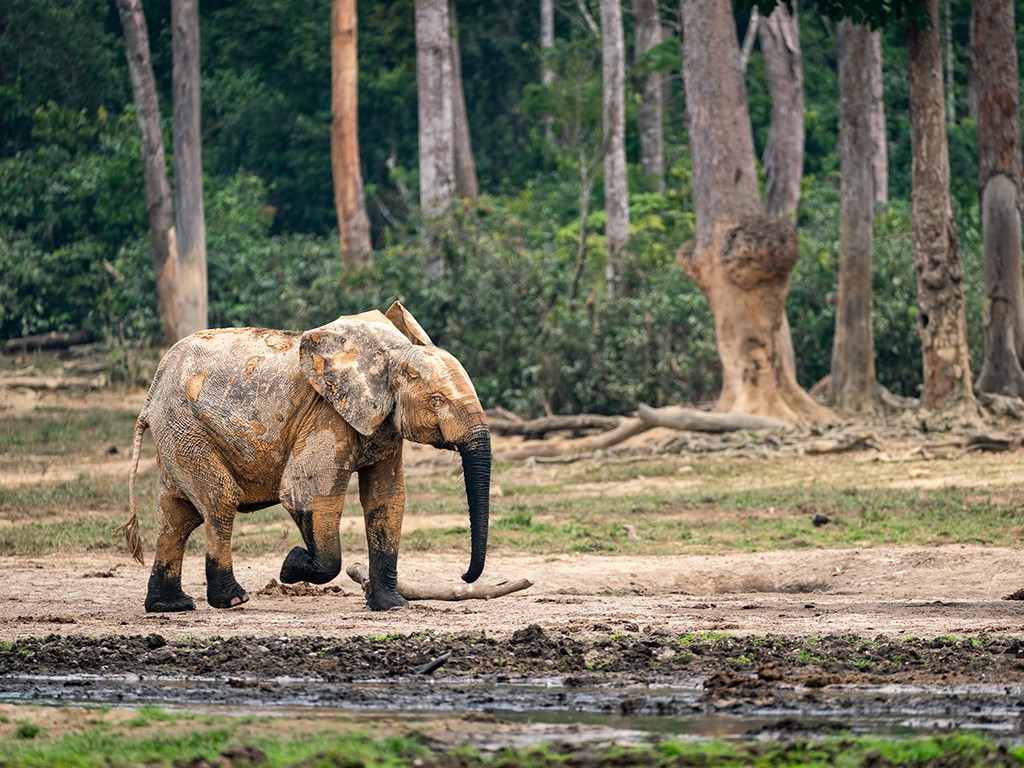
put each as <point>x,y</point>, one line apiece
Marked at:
<point>436,401</point>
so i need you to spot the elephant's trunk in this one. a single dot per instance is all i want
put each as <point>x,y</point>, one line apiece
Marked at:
<point>476,468</point>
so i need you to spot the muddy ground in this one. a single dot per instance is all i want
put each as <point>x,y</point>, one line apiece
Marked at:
<point>813,639</point>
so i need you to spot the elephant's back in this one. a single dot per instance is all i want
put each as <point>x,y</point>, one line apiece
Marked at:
<point>223,369</point>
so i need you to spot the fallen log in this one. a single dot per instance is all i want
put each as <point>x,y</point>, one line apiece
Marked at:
<point>51,340</point>
<point>359,573</point>
<point>41,384</point>
<point>626,429</point>
<point>537,429</point>
<point>678,417</point>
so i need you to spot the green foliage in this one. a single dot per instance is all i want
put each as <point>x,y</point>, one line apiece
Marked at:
<point>523,300</point>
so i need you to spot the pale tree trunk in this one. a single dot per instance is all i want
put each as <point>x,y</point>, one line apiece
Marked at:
<point>650,110</point>
<point>353,224</point>
<point>940,299</point>
<point>159,204</point>
<point>783,160</point>
<point>854,388</point>
<point>741,257</point>
<point>547,42</point>
<point>880,157</point>
<point>999,180</point>
<point>188,169</point>
<point>434,89</point>
<point>947,29</point>
<point>465,168</point>
<point>616,190</point>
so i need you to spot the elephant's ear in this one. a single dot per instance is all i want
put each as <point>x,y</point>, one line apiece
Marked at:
<point>404,321</point>
<point>348,365</point>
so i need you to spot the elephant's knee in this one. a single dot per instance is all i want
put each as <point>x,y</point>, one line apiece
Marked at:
<point>299,565</point>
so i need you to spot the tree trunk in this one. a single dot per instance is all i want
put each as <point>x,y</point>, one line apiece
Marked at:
<point>947,30</point>
<point>159,204</point>
<point>466,183</point>
<point>999,180</point>
<point>188,169</point>
<point>353,224</point>
<point>941,323</point>
<point>547,42</point>
<point>649,111</point>
<point>435,97</point>
<point>616,189</point>
<point>783,161</point>
<point>879,140</point>
<point>741,257</point>
<point>853,387</point>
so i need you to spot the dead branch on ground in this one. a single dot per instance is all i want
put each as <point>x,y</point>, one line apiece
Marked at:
<point>692,419</point>
<point>359,573</point>
<point>537,429</point>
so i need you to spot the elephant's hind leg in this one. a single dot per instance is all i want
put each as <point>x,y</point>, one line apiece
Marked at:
<point>222,590</point>
<point>177,519</point>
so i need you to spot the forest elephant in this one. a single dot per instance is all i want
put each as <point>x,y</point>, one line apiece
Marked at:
<point>244,418</point>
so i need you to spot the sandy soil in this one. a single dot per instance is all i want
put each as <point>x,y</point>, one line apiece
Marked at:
<point>927,592</point>
<point>911,592</point>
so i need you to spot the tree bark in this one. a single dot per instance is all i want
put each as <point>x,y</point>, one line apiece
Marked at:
<point>879,140</point>
<point>159,204</point>
<point>353,224</point>
<point>741,258</point>
<point>547,42</point>
<point>466,183</point>
<point>854,388</point>
<point>616,189</point>
<point>434,87</point>
<point>999,181</point>
<point>650,110</point>
<point>783,160</point>
<point>941,322</point>
<point>188,169</point>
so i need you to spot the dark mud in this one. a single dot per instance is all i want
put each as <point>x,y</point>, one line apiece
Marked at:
<point>769,684</point>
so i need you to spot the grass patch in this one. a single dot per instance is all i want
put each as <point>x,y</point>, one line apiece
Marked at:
<point>66,431</point>
<point>152,737</point>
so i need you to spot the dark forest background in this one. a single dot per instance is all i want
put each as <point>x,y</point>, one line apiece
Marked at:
<point>74,251</point>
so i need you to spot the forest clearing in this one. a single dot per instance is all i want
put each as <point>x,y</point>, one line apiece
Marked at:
<point>745,588</point>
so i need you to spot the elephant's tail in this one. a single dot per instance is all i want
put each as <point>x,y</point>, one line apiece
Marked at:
<point>131,525</point>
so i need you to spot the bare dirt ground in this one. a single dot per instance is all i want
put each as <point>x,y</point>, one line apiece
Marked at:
<point>878,616</point>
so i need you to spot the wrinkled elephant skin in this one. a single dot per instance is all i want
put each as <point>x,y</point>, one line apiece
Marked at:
<point>245,418</point>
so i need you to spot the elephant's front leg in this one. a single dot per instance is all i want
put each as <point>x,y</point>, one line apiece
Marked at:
<point>317,514</point>
<point>382,494</point>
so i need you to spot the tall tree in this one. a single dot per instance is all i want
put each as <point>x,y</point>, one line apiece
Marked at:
<point>434,89</point>
<point>940,298</point>
<point>466,183</point>
<point>999,186</point>
<point>353,224</point>
<point>880,157</point>
<point>616,188</point>
<point>188,169</point>
<point>854,387</point>
<point>741,257</point>
<point>650,110</point>
<point>783,161</point>
<point>547,42</point>
<point>159,204</point>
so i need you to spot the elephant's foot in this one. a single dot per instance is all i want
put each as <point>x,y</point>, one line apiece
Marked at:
<point>385,601</point>
<point>301,566</point>
<point>164,595</point>
<point>222,591</point>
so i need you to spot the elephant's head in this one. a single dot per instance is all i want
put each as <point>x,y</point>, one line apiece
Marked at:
<point>373,367</point>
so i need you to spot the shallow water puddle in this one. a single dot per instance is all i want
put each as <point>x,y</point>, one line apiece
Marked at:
<point>687,711</point>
